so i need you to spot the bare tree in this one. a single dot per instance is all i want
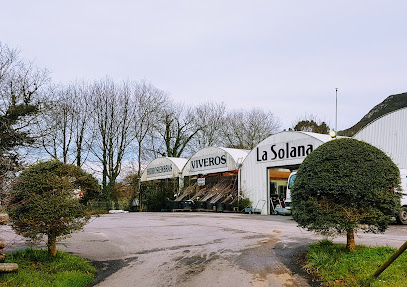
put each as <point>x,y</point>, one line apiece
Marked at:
<point>175,130</point>
<point>147,107</point>
<point>113,129</point>
<point>211,118</point>
<point>83,120</point>
<point>66,125</point>
<point>56,125</point>
<point>245,129</point>
<point>234,129</point>
<point>8,60</point>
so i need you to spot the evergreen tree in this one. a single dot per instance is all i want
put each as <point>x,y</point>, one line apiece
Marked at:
<point>45,201</point>
<point>343,186</point>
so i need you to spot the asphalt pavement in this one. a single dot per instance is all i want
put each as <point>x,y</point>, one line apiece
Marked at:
<point>199,249</point>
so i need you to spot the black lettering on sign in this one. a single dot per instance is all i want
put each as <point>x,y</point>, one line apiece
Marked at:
<point>309,149</point>
<point>286,150</point>
<point>273,151</point>
<point>280,153</point>
<point>207,162</point>
<point>301,150</point>
<point>159,169</point>
<point>293,152</point>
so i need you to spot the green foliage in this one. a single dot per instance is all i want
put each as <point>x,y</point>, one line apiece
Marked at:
<point>337,267</point>
<point>13,137</point>
<point>156,195</point>
<point>90,187</point>
<point>345,185</point>
<point>45,200</point>
<point>243,203</point>
<point>312,126</point>
<point>10,136</point>
<point>37,269</point>
<point>20,93</point>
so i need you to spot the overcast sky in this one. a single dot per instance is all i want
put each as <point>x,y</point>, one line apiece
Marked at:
<point>284,56</point>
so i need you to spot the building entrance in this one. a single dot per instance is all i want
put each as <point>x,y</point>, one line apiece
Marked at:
<point>277,188</point>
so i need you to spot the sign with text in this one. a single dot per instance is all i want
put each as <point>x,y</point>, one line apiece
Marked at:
<point>159,170</point>
<point>201,181</point>
<point>207,162</point>
<point>286,150</point>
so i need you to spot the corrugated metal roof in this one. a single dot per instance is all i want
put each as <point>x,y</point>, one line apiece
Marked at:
<point>388,133</point>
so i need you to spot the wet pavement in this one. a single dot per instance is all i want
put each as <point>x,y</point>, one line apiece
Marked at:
<point>199,249</point>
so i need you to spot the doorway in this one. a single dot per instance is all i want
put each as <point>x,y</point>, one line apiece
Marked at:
<point>277,188</point>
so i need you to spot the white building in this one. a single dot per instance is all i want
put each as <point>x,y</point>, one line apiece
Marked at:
<point>388,133</point>
<point>266,168</point>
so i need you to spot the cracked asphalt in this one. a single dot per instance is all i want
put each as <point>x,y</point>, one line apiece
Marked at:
<point>199,249</point>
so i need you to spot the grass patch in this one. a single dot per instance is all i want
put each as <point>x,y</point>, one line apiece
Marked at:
<point>37,269</point>
<point>336,267</point>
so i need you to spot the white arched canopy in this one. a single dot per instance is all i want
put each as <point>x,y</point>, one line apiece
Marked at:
<point>213,160</point>
<point>163,167</point>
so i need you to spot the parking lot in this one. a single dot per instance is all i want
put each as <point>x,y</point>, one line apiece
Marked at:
<point>199,249</point>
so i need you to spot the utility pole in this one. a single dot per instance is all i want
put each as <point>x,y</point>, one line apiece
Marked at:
<point>334,132</point>
<point>336,110</point>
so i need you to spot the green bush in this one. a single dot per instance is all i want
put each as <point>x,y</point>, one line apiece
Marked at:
<point>157,194</point>
<point>45,202</point>
<point>157,199</point>
<point>243,203</point>
<point>346,185</point>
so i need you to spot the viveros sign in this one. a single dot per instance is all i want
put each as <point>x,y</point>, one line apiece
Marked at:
<point>286,150</point>
<point>207,162</point>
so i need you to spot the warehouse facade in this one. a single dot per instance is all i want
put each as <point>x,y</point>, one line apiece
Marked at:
<point>264,172</point>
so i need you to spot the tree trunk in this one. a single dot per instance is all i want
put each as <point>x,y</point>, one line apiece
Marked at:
<point>52,244</point>
<point>139,160</point>
<point>350,240</point>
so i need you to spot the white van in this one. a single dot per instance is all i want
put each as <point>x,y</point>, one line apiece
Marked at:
<point>290,184</point>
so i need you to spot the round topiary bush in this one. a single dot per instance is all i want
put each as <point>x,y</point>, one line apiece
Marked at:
<point>345,185</point>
